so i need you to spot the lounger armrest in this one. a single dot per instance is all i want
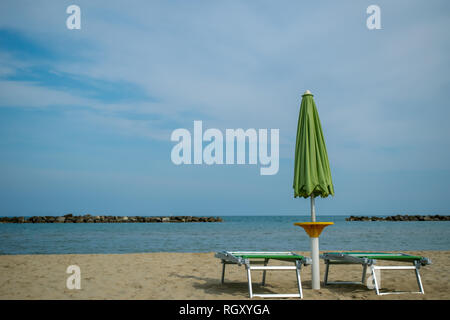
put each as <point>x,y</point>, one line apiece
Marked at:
<point>346,258</point>
<point>425,261</point>
<point>227,256</point>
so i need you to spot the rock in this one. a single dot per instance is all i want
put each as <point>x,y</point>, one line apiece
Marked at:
<point>70,219</point>
<point>165,219</point>
<point>60,219</point>
<point>97,219</point>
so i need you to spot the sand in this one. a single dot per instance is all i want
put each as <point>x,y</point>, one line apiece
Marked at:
<point>196,276</point>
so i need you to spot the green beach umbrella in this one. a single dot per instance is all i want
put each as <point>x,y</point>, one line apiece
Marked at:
<point>312,174</point>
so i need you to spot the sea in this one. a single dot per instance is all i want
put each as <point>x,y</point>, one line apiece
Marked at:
<point>239,233</point>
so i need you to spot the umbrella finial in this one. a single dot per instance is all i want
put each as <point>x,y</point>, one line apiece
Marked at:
<point>307,92</point>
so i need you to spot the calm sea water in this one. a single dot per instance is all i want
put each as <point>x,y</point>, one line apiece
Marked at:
<point>265,233</point>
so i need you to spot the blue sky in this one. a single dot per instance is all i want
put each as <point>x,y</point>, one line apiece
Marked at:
<point>86,115</point>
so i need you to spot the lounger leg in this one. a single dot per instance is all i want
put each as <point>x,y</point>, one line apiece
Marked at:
<point>363,280</point>
<point>266,261</point>
<point>262,268</point>
<point>375,281</point>
<point>223,271</point>
<point>299,280</point>
<point>249,278</point>
<point>327,267</point>
<point>419,281</point>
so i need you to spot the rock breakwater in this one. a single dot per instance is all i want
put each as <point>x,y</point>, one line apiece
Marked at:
<point>400,218</point>
<point>87,218</point>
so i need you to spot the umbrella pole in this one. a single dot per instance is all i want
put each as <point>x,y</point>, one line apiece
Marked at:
<point>315,267</point>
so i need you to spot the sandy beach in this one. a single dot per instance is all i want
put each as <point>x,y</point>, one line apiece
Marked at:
<point>195,276</point>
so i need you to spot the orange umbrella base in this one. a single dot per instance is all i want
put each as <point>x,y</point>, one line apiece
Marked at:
<point>313,229</point>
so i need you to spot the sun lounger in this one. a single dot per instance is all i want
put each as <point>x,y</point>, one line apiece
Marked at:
<point>369,259</point>
<point>251,258</point>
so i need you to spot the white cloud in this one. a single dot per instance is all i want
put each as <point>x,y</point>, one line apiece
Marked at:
<point>243,65</point>
<point>28,94</point>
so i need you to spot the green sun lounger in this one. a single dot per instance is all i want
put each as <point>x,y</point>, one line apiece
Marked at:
<point>369,259</point>
<point>251,258</point>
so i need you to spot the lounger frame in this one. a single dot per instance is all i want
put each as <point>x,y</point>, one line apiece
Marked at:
<point>251,259</point>
<point>366,261</point>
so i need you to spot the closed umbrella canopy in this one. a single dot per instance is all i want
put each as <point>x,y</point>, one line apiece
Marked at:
<point>312,174</point>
